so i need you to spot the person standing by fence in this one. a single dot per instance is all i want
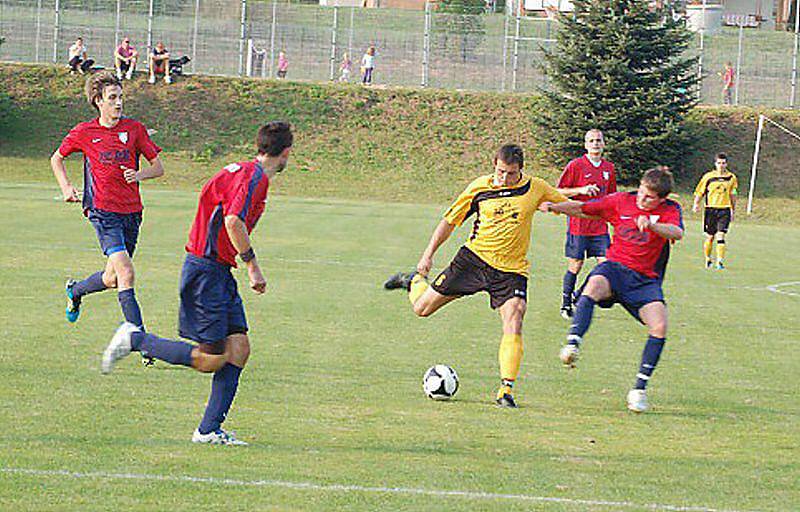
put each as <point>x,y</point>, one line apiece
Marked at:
<point>283,65</point>
<point>345,68</point>
<point>728,81</point>
<point>367,65</point>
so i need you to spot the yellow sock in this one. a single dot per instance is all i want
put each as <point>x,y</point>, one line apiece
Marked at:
<point>707,248</point>
<point>510,356</point>
<point>720,250</point>
<point>418,286</point>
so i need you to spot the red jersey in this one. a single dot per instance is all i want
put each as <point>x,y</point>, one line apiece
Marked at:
<point>104,151</point>
<point>642,251</point>
<point>579,173</point>
<point>238,189</point>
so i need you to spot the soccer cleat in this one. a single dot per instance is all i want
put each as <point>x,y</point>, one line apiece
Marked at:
<point>73,304</point>
<point>118,347</point>
<point>399,280</point>
<point>566,312</point>
<point>148,362</point>
<point>569,354</point>
<point>637,400</point>
<point>720,266</point>
<point>151,80</point>
<point>217,437</point>
<point>505,398</point>
<point>709,263</point>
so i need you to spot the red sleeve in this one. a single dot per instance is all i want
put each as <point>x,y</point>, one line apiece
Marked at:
<point>605,207</point>
<point>612,183</point>
<point>246,193</point>
<point>145,144</point>
<point>673,215</point>
<point>72,142</point>
<point>567,177</point>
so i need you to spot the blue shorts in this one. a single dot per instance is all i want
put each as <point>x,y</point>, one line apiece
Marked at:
<point>629,288</point>
<point>211,309</point>
<point>116,231</point>
<point>580,247</point>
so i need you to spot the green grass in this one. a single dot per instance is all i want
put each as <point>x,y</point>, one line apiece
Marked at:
<point>332,393</point>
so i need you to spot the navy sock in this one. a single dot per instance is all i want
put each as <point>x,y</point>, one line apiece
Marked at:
<point>568,288</point>
<point>130,308</point>
<point>650,356</point>
<point>581,319</point>
<point>93,283</point>
<point>173,352</point>
<point>223,389</point>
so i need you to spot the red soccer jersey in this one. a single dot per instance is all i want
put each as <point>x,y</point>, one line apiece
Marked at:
<point>238,189</point>
<point>579,173</point>
<point>104,151</point>
<point>637,250</point>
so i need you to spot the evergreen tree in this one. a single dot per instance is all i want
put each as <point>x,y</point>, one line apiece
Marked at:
<point>619,65</point>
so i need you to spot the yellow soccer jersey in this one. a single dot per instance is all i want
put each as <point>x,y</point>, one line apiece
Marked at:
<point>717,189</point>
<point>501,232</point>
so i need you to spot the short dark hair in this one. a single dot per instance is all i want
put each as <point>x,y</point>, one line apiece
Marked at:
<point>97,83</point>
<point>721,156</point>
<point>511,154</point>
<point>274,137</point>
<point>659,180</point>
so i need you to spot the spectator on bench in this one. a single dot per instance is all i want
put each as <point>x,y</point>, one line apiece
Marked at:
<point>125,58</point>
<point>159,63</point>
<point>77,58</point>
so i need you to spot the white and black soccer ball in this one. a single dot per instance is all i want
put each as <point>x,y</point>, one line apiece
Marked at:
<point>440,382</point>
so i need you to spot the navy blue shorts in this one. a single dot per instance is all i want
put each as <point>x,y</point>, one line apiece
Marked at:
<point>211,309</point>
<point>580,247</point>
<point>629,288</point>
<point>116,231</point>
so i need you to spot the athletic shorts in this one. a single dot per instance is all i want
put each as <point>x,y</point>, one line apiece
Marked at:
<point>580,247</point>
<point>629,288</point>
<point>716,220</point>
<point>467,274</point>
<point>211,308</point>
<point>116,231</point>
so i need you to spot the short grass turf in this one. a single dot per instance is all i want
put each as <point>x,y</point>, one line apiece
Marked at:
<point>332,393</point>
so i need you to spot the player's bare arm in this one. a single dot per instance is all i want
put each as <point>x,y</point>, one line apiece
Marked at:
<point>588,190</point>
<point>571,208</point>
<point>237,232</point>
<point>68,191</point>
<point>440,234</point>
<point>668,231</point>
<point>156,170</point>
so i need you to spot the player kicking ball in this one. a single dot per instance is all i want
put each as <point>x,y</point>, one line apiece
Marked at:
<point>211,311</point>
<point>494,258</point>
<point>645,222</point>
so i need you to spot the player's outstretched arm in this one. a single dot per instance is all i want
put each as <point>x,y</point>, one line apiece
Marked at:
<point>237,232</point>
<point>440,234</point>
<point>571,208</point>
<point>68,191</point>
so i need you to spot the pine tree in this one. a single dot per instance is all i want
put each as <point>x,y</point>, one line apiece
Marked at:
<point>621,66</point>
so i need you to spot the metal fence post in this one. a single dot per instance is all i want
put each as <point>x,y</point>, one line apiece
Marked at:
<point>116,25</point>
<point>794,53</point>
<point>426,45</point>
<point>506,12</point>
<point>38,27</point>
<point>149,28</point>
<point>738,65</point>
<point>700,59</point>
<point>334,29</point>
<point>272,37</point>
<point>515,61</point>
<point>56,28</point>
<point>194,32</point>
<point>350,38</point>
<point>242,35</point>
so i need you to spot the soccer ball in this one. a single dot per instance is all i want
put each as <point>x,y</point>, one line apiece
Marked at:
<point>440,382</point>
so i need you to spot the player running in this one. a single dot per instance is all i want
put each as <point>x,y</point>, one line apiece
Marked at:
<point>645,222</point>
<point>718,188</point>
<point>111,147</point>
<point>211,311</point>
<point>494,258</point>
<point>584,178</point>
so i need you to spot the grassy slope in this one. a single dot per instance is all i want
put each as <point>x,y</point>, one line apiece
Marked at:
<point>398,144</point>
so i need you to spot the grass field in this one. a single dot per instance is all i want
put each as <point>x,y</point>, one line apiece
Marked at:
<point>331,399</point>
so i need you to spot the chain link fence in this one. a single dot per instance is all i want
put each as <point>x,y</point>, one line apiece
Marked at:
<point>479,50</point>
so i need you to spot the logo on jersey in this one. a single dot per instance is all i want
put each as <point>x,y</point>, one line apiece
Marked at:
<point>95,141</point>
<point>654,218</point>
<point>606,175</point>
<point>625,217</point>
<point>123,137</point>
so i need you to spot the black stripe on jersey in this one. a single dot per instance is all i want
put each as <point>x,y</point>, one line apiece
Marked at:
<point>493,194</point>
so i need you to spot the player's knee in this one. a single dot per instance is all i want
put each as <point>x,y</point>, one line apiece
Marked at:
<point>208,363</point>
<point>658,328</point>
<point>125,274</point>
<point>575,266</point>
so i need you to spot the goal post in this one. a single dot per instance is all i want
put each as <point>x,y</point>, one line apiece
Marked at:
<point>761,121</point>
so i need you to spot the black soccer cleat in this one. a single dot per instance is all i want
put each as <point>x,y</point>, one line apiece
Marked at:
<point>566,312</point>
<point>148,362</point>
<point>506,401</point>
<point>399,280</point>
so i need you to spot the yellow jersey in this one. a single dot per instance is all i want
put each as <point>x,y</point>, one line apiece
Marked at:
<point>501,232</point>
<point>717,188</point>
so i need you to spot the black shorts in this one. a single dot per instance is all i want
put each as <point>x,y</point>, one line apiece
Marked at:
<point>716,220</point>
<point>467,274</point>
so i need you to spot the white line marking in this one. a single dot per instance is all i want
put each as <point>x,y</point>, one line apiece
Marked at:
<point>309,486</point>
<point>776,288</point>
